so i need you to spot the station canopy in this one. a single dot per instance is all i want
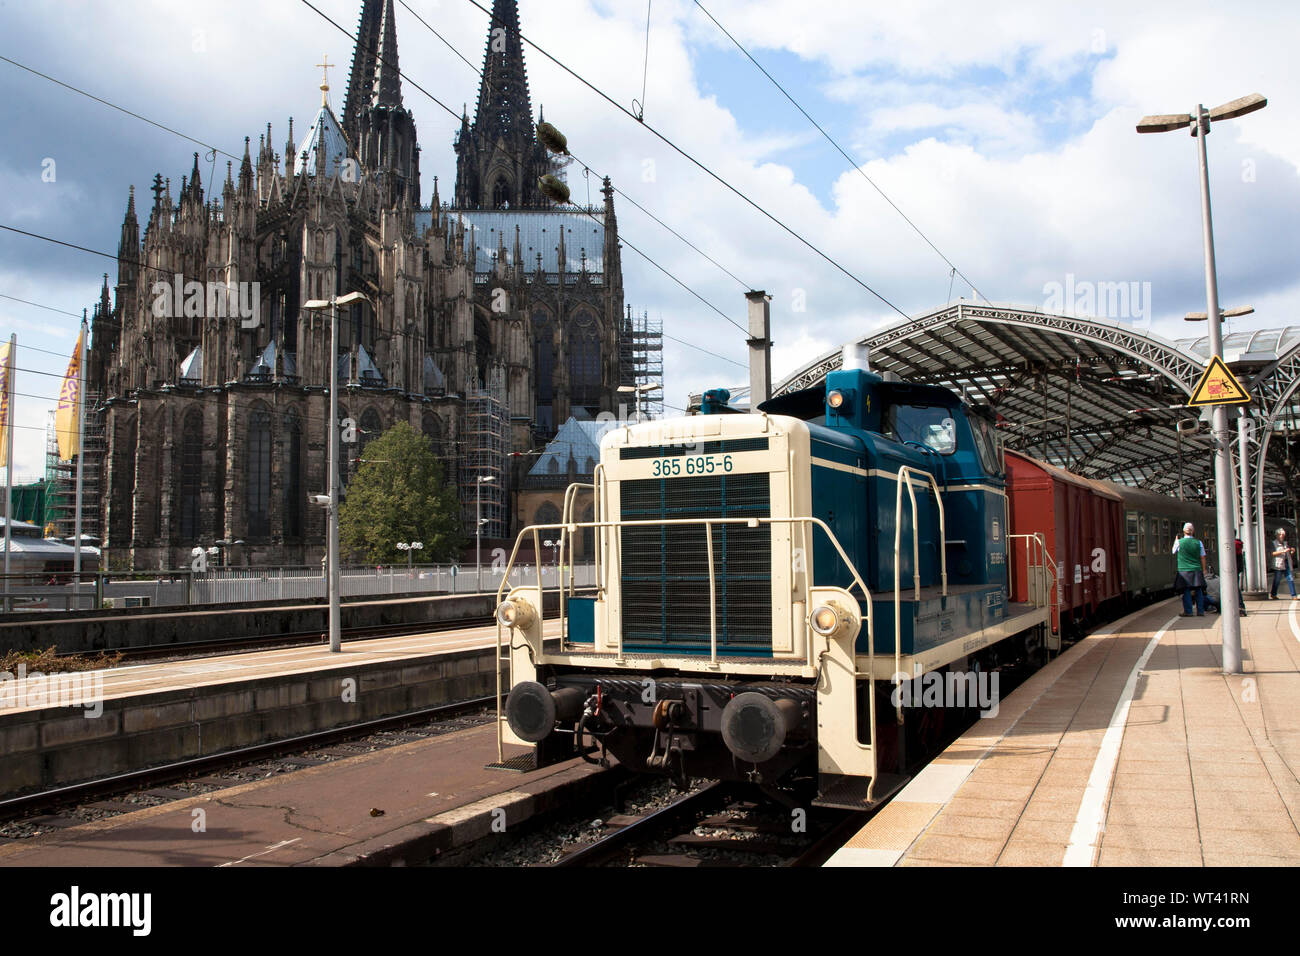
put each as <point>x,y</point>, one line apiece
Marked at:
<point>1099,398</point>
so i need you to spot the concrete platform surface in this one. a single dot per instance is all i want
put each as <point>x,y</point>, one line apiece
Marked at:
<point>1130,749</point>
<point>434,795</point>
<point>158,677</point>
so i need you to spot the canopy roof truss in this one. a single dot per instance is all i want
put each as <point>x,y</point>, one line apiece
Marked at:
<point>1098,398</point>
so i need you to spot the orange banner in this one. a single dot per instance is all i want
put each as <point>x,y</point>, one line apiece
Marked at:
<point>65,418</point>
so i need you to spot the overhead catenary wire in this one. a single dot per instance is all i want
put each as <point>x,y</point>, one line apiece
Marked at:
<point>49,308</point>
<point>856,165</point>
<point>699,164</point>
<point>68,86</point>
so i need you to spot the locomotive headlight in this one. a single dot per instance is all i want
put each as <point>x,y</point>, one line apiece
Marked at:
<point>826,619</point>
<point>835,399</point>
<point>516,612</point>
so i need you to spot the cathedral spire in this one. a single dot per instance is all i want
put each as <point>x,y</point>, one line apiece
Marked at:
<point>498,159</point>
<point>503,105</point>
<point>361,81</point>
<point>388,79</point>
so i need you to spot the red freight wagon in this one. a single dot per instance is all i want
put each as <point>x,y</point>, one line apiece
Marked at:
<point>1082,524</point>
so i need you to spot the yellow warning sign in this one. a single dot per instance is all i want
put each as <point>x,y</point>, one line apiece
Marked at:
<point>1218,386</point>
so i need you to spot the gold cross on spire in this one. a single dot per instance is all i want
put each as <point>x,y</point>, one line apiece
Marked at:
<point>325,82</point>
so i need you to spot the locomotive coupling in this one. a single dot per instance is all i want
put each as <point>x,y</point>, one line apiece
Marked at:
<point>754,727</point>
<point>532,711</point>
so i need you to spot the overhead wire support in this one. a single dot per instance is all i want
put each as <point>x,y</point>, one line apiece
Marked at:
<point>698,163</point>
<point>853,162</point>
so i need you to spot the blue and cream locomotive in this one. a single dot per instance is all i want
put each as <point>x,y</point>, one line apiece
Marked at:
<point>764,581</point>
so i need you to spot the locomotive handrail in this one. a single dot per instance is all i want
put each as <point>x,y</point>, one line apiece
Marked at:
<point>904,477</point>
<point>566,516</point>
<point>567,528</point>
<point>1046,565</point>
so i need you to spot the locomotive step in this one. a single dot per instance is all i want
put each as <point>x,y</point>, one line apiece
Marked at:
<point>844,792</point>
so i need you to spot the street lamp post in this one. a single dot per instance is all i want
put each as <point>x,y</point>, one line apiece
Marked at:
<point>410,548</point>
<point>637,390</point>
<point>331,501</point>
<point>478,529</point>
<point>1228,593</point>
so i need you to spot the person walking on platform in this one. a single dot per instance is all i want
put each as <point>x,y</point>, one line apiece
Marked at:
<point>1190,564</point>
<point>1241,574</point>
<point>1282,554</point>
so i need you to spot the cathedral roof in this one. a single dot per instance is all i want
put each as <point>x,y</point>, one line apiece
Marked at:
<point>192,367</point>
<point>367,371</point>
<point>326,134</point>
<point>434,379</point>
<point>577,440</point>
<point>266,362</point>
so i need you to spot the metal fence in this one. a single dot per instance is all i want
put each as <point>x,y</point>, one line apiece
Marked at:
<point>244,585</point>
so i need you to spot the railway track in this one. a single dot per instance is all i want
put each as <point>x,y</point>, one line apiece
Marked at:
<point>298,749</point>
<point>722,824</point>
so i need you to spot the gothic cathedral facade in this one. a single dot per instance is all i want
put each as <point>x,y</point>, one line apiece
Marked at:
<point>211,378</point>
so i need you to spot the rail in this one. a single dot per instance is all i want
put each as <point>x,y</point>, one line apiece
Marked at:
<point>605,528</point>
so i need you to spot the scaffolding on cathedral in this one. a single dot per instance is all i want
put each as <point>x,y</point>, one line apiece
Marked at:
<point>485,447</point>
<point>61,479</point>
<point>641,361</point>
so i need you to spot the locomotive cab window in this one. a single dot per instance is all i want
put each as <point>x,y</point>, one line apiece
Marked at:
<point>987,444</point>
<point>929,425</point>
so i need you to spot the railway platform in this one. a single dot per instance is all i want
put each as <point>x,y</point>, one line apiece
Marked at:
<point>66,728</point>
<point>1130,749</point>
<point>402,805</point>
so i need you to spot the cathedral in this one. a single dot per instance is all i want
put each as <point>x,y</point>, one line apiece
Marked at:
<point>488,320</point>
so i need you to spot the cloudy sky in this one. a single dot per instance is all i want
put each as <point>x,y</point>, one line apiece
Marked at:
<point>1005,131</point>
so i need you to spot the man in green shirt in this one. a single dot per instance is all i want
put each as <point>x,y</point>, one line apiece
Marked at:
<point>1190,552</point>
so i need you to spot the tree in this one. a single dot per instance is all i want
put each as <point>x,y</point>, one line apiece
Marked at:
<point>399,494</point>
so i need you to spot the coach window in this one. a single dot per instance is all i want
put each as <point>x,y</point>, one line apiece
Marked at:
<point>1166,536</point>
<point>1132,533</point>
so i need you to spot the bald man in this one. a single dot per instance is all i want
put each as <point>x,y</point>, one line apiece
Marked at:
<point>1190,553</point>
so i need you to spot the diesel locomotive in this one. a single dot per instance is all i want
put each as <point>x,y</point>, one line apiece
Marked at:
<point>766,580</point>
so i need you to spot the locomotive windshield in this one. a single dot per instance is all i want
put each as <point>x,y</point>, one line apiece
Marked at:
<point>929,425</point>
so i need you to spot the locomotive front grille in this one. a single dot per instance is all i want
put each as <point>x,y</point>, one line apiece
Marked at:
<point>665,569</point>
